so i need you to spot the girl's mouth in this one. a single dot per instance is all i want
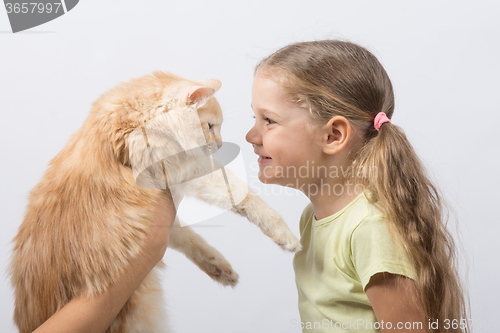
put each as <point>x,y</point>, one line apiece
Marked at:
<point>264,159</point>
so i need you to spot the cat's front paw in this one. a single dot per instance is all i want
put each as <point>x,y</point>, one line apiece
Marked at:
<point>275,228</point>
<point>286,240</point>
<point>218,269</point>
<point>269,221</point>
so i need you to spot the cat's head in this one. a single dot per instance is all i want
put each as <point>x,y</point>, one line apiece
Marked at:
<point>126,107</point>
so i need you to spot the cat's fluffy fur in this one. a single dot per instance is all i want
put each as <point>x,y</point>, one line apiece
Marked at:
<point>87,217</point>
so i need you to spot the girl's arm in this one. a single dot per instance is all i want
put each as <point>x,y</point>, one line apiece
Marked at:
<point>96,314</point>
<point>394,299</point>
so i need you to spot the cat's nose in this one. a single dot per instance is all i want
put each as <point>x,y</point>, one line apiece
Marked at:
<point>219,144</point>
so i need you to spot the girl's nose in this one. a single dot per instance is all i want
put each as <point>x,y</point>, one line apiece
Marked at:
<point>253,136</point>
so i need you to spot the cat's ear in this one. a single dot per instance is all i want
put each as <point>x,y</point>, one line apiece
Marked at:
<point>211,83</point>
<point>198,94</point>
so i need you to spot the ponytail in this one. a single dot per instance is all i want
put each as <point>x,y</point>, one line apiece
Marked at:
<point>413,207</point>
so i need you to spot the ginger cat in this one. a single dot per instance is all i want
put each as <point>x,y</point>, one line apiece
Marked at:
<point>87,216</point>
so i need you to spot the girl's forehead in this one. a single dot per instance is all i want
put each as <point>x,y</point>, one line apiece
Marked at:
<point>269,99</point>
<point>268,95</point>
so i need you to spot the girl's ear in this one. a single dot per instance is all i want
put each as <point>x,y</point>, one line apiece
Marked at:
<point>197,94</point>
<point>336,135</point>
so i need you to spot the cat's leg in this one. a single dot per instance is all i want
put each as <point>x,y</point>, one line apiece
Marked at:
<point>213,189</point>
<point>207,258</point>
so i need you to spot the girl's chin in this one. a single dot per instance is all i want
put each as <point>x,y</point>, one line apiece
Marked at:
<point>271,180</point>
<point>267,180</point>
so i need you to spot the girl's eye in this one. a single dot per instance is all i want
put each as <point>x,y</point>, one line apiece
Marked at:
<point>269,121</point>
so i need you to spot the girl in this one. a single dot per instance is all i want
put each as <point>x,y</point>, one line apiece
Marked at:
<point>376,254</point>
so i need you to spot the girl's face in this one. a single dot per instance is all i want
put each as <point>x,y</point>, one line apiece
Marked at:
<point>281,136</point>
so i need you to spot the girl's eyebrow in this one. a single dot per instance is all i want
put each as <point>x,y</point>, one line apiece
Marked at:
<point>266,111</point>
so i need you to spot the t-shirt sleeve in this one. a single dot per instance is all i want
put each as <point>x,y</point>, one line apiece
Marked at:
<point>374,250</point>
<point>306,215</point>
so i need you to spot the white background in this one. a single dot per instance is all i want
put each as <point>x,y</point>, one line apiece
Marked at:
<point>442,57</point>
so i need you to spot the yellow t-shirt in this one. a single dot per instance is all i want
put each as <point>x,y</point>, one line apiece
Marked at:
<point>340,254</point>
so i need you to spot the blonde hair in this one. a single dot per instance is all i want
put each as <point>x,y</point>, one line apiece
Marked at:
<point>333,77</point>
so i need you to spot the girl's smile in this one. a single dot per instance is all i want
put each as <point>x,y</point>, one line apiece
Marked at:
<point>264,160</point>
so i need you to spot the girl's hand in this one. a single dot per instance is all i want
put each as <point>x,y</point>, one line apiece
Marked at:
<point>394,299</point>
<point>96,314</point>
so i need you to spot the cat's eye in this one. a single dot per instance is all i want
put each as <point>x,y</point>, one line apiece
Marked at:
<point>210,126</point>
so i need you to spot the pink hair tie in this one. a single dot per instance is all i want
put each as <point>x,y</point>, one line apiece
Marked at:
<point>380,118</point>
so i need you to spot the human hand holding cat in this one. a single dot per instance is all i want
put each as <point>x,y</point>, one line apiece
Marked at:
<point>157,237</point>
<point>96,314</point>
